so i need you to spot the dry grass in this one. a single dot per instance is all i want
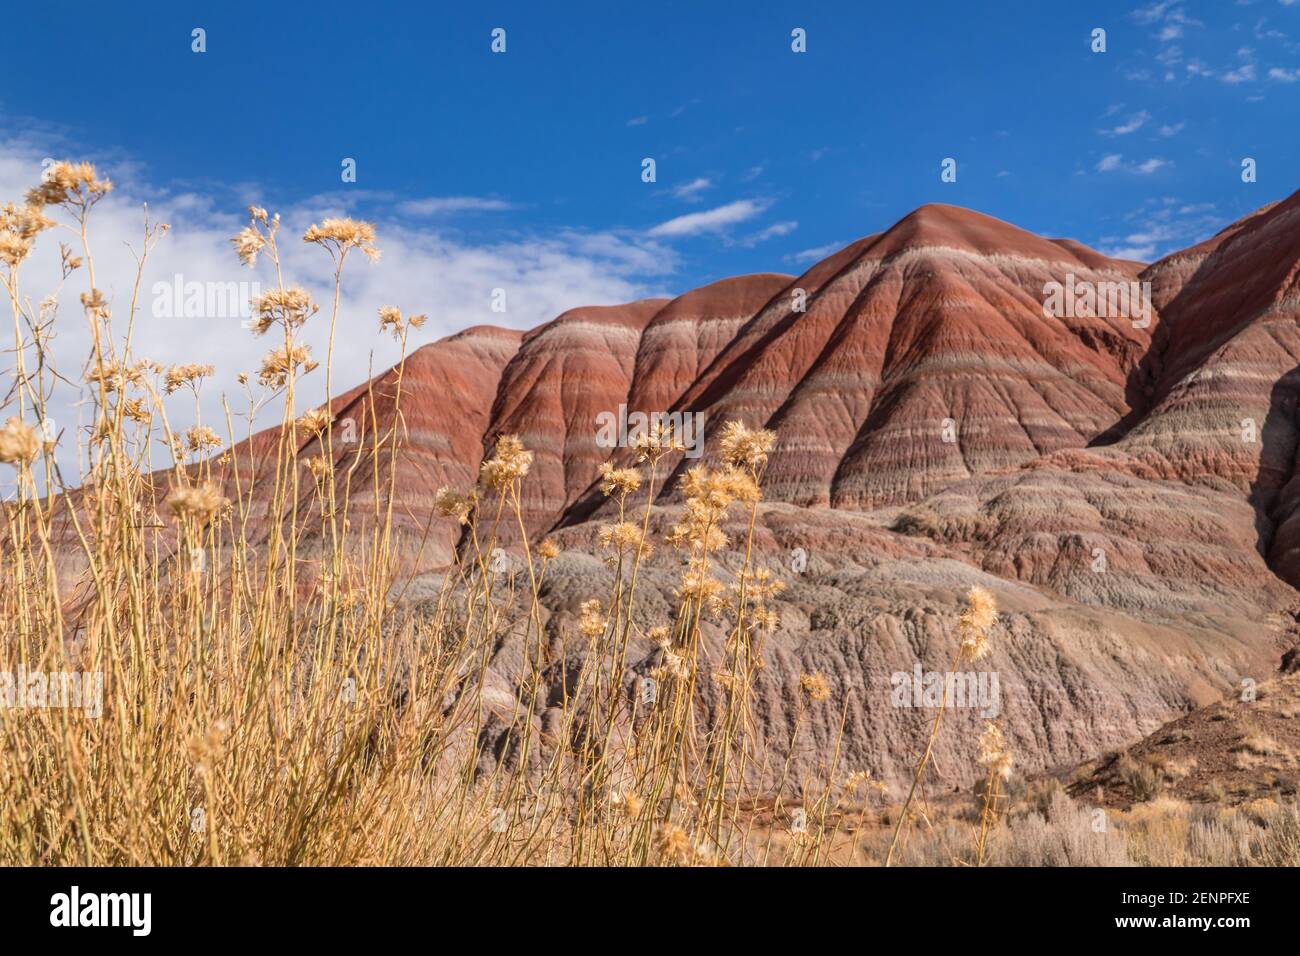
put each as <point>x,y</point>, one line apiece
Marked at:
<point>269,699</point>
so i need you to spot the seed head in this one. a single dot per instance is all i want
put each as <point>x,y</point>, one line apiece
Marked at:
<point>451,504</point>
<point>200,502</point>
<point>624,481</point>
<point>178,376</point>
<point>277,365</point>
<point>980,614</point>
<point>19,443</point>
<point>815,686</point>
<point>341,235</point>
<point>993,750</point>
<point>72,185</point>
<point>743,448</point>
<point>511,463</point>
<point>289,307</point>
<point>592,620</point>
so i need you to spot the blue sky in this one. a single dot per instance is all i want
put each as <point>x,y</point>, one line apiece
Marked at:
<point>819,148</point>
<point>522,171</point>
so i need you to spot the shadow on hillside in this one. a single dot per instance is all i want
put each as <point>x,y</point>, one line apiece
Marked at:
<point>1277,461</point>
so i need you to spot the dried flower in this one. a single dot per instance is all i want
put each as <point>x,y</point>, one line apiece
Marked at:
<point>248,242</point>
<point>75,185</point>
<point>200,502</point>
<point>200,437</point>
<point>179,376</point>
<point>318,466</point>
<point>510,463</point>
<point>114,377</point>
<point>631,803</point>
<point>592,621</point>
<point>451,504</point>
<point>743,448</point>
<point>316,421</point>
<point>860,780</point>
<point>623,480</point>
<point>280,363</point>
<point>980,614</point>
<point>625,538</point>
<point>19,228</point>
<point>136,410</point>
<point>697,583</point>
<point>815,686</point>
<point>993,750</point>
<point>289,307</point>
<point>548,549</point>
<point>19,443</point>
<point>652,444</point>
<point>95,304</point>
<point>390,317</point>
<point>674,844</point>
<point>341,235</point>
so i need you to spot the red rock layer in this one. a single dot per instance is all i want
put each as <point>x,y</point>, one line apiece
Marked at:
<point>565,373</point>
<point>447,389</point>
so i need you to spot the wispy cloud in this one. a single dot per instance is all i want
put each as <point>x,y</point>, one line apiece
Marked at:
<point>1132,125</point>
<point>816,253</point>
<point>691,191</point>
<point>1243,74</point>
<point>712,220</point>
<point>421,270</point>
<point>443,205</point>
<point>1115,162</point>
<point>1162,226</point>
<point>638,121</point>
<point>771,232</point>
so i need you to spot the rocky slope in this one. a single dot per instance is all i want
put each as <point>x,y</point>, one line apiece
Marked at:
<point>941,423</point>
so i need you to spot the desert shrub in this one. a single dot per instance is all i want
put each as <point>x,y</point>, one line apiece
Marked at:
<point>1067,834</point>
<point>1141,778</point>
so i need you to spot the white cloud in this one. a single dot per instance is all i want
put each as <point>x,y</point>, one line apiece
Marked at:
<point>1140,253</point>
<point>1243,74</point>
<point>1153,12</point>
<point>439,205</point>
<point>420,270</point>
<point>1114,162</point>
<point>816,253</point>
<point>712,220</point>
<point>1162,226</point>
<point>1283,75</point>
<point>1133,124</point>
<point>771,232</point>
<point>690,191</point>
<point>1171,129</point>
<point>638,121</point>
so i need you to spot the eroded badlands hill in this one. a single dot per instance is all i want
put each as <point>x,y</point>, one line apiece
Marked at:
<point>1125,485</point>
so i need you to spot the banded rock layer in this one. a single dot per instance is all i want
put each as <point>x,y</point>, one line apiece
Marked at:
<point>936,428</point>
